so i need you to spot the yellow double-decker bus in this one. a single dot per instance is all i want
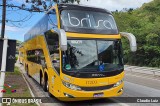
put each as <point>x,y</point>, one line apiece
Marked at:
<point>75,53</point>
<point>21,54</point>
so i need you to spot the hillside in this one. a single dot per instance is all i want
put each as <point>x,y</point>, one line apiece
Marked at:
<point>144,23</point>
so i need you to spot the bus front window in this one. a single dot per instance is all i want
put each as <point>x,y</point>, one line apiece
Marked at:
<point>92,55</point>
<point>88,22</point>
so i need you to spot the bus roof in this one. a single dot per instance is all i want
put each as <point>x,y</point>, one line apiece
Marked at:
<point>42,25</point>
<point>63,6</point>
<point>38,29</point>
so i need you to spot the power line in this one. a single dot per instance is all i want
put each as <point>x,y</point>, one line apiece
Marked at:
<point>26,9</point>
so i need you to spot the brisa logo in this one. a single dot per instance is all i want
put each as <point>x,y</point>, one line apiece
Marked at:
<point>8,89</point>
<point>75,21</point>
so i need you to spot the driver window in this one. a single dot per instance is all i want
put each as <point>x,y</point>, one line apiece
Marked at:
<point>53,46</point>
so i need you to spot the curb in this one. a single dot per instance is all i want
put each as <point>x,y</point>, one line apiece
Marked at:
<point>32,94</point>
<point>29,88</point>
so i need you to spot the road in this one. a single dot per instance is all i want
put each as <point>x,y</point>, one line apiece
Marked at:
<point>136,85</point>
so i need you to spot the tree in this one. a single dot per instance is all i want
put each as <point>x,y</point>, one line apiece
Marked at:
<point>36,6</point>
<point>144,24</point>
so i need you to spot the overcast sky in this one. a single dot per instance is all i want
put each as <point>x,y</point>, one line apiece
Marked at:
<point>113,5</point>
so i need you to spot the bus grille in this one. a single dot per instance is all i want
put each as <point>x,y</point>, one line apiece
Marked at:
<point>97,88</point>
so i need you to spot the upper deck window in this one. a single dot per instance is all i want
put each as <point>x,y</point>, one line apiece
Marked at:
<point>88,22</point>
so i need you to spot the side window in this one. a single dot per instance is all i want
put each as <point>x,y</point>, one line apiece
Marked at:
<point>36,56</point>
<point>52,19</point>
<point>31,55</point>
<point>53,46</point>
<point>40,59</point>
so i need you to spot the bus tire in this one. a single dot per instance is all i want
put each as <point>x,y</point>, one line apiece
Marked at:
<point>27,72</point>
<point>49,94</point>
<point>45,85</point>
<point>41,78</point>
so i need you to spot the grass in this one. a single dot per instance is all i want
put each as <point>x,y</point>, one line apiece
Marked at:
<point>15,81</point>
<point>16,72</point>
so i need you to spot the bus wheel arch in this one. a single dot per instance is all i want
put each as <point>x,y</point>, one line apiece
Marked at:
<point>45,84</point>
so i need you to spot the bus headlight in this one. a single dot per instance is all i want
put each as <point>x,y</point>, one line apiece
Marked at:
<point>118,83</point>
<point>71,86</point>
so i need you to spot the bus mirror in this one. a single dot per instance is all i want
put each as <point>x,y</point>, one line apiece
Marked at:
<point>62,39</point>
<point>132,40</point>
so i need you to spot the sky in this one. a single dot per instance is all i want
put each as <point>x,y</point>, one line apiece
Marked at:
<point>113,5</point>
<point>16,30</point>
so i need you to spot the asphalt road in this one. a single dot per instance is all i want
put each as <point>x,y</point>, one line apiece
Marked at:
<point>141,85</point>
<point>136,85</point>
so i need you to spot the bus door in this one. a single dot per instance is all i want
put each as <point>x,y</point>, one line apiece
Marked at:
<point>54,71</point>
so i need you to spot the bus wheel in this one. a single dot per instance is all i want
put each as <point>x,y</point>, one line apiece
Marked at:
<point>49,94</point>
<point>41,79</point>
<point>45,85</point>
<point>27,72</point>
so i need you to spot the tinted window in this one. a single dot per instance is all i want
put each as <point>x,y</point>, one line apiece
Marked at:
<point>31,55</point>
<point>87,21</point>
<point>36,56</point>
<point>53,46</point>
<point>91,54</point>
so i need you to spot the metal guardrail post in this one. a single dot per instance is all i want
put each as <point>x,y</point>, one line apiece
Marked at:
<point>153,71</point>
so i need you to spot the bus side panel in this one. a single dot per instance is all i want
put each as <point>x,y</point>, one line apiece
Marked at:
<point>30,64</point>
<point>53,76</point>
<point>38,66</point>
<point>54,83</point>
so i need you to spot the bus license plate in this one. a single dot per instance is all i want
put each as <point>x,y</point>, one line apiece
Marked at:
<point>96,95</point>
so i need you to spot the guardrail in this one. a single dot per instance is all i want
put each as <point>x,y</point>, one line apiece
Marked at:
<point>146,70</point>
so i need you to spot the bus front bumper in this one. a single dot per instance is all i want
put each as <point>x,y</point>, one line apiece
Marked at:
<point>75,95</point>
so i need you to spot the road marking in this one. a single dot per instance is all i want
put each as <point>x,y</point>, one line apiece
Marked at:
<point>143,77</point>
<point>118,102</point>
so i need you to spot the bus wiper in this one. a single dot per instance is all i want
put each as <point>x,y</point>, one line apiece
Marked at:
<point>77,51</point>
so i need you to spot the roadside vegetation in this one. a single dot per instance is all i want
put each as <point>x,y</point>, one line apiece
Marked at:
<point>144,23</point>
<point>15,81</point>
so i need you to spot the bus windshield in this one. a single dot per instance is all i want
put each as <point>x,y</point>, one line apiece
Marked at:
<point>88,22</point>
<point>92,55</point>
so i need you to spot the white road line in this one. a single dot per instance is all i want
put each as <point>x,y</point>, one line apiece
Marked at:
<point>143,77</point>
<point>118,102</point>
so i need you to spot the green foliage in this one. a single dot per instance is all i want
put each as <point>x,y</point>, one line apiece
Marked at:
<point>16,72</point>
<point>152,39</point>
<point>144,23</point>
<point>16,58</point>
<point>42,5</point>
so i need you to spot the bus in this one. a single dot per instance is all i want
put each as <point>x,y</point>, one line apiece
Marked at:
<point>21,54</point>
<point>75,53</point>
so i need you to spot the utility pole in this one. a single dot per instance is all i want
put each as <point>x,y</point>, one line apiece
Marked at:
<point>4,54</point>
<point>3,19</point>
